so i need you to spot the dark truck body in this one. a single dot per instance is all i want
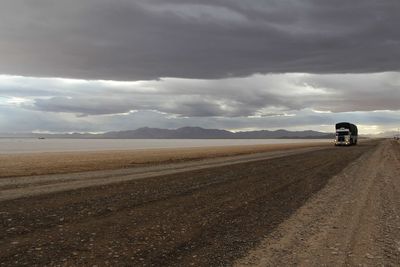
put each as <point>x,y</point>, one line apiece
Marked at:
<point>346,134</point>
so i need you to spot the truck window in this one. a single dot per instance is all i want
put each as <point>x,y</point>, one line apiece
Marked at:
<point>342,133</point>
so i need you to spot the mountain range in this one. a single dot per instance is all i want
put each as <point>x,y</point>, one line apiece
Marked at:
<point>189,133</point>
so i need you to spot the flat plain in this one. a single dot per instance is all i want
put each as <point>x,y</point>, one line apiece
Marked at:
<point>304,206</point>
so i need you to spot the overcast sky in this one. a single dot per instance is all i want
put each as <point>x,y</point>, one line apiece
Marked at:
<point>102,65</point>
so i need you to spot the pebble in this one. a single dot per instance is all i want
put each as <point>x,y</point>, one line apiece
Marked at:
<point>369,256</point>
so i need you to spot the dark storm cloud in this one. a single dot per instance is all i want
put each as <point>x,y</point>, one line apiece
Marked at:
<point>132,39</point>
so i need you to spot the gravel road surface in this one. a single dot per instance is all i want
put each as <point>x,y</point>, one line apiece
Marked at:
<point>353,221</point>
<point>332,206</point>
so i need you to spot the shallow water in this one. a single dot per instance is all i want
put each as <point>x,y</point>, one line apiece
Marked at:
<point>30,145</point>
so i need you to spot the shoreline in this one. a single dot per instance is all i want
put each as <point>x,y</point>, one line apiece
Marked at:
<point>42,163</point>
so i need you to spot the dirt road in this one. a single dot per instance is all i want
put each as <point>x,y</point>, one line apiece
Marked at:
<point>353,221</point>
<point>328,206</point>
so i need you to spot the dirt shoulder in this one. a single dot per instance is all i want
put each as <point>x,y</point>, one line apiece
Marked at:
<point>55,163</point>
<point>208,217</point>
<point>353,221</point>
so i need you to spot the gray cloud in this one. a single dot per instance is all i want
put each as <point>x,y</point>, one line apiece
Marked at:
<point>133,40</point>
<point>82,106</point>
<point>254,96</point>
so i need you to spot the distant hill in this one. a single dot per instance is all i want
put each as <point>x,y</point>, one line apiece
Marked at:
<point>201,133</point>
<point>191,133</point>
<point>282,134</point>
